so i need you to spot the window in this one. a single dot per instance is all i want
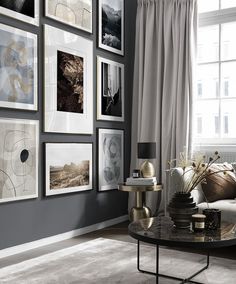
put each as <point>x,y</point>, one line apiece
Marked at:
<point>226,124</point>
<point>226,88</point>
<point>199,125</point>
<point>217,124</point>
<point>215,102</point>
<point>199,89</point>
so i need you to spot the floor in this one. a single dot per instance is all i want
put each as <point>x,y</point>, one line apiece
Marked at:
<point>117,232</point>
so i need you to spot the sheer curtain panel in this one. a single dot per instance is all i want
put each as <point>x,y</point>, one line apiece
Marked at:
<point>163,82</point>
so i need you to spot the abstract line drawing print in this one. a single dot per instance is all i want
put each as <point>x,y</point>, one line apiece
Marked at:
<point>18,71</point>
<point>77,13</point>
<point>18,160</point>
<point>111,158</point>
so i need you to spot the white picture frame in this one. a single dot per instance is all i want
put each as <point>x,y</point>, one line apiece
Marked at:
<point>17,87</point>
<point>68,167</point>
<point>110,90</point>
<point>108,38</point>
<point>70,110</point>
<point>75,13</point>
<point>13,9</point>
<point>19,146</point>
<point>110,158</point>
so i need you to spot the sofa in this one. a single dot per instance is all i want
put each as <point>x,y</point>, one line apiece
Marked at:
<point>227,206</point>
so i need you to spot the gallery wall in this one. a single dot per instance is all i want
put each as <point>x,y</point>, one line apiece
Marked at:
<point>33,219</point>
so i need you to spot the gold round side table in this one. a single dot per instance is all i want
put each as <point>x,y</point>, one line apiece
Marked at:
<point>140,210</point>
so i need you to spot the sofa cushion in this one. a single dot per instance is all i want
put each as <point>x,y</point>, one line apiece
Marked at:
<point>220,185</point>
<point>227,207</point>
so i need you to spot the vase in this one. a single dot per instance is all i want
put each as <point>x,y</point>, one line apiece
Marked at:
<point>181,208</point>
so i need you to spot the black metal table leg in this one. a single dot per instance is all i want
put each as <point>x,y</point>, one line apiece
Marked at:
<point>157,274</point>
<point>157,264</point>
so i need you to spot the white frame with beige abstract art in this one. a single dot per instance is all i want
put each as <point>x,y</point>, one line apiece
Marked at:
<point>19,142</point>
<point>68,167</point>
<point>111,158</point>
<point>18,69</point>
<point>13,8</point>
<point>76,13</point>
<point>68,103</point>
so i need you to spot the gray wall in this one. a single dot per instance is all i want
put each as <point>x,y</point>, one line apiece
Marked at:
<point>30,220</point>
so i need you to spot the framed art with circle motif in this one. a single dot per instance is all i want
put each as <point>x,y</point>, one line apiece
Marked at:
<point>19,140</point>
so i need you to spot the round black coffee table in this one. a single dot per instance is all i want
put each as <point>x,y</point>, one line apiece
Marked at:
<point>162,232</point>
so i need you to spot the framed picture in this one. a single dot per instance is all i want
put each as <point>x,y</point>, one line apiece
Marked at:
<point>111,158</point>
<point>68,82</point>
<point>24,10</point>
<point>76,13</point>
<point>18,69</point>
<point>19,140</point>
<point>68,167</point>
<point>111,25</point>
<point>110,92</point>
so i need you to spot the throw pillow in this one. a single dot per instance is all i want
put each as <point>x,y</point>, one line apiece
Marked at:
<point>220,186</point>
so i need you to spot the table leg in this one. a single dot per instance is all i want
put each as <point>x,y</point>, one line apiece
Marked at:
<point>157,264</point>
<point>157,274</point>
<point>140,211</point>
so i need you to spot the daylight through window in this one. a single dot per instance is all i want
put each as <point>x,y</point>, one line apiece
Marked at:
<point>215,101</point>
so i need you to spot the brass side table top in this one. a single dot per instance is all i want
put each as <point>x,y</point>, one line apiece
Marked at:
<point>139,188</point>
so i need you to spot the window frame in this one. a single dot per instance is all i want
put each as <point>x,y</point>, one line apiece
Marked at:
<point>205,19</point>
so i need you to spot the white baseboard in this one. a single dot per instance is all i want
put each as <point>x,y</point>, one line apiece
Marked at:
<point>61,237</point>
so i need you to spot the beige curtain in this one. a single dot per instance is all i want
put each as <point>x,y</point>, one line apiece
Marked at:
<point>163,82</point>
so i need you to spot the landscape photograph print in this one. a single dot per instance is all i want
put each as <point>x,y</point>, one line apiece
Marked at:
<point>111,25</point>
<point>18,159</point>
<point>68,167</point>
<point>18,69</point>
<point>76,13</point>
<point>25,10</point>
<point>70,79</point>
<point>111,158</point>
<point>110,98</point>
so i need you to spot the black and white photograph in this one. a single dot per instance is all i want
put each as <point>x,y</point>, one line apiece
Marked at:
<point>68,167</point>
<point>111,158</point>
<point>24,10</point>
<point>111,25</point>
<point>76,13</point>
<point>68,82</point>
<point>110,92</point>
<point>70,79</point>
<point>18,159</point>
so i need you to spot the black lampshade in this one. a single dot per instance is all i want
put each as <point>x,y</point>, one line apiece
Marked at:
<point>147,150</point>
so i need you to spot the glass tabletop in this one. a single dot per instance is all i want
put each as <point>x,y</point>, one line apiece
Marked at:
<point>160,230</point>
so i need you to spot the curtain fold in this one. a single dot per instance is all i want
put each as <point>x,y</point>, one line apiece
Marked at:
<point>163,82</point>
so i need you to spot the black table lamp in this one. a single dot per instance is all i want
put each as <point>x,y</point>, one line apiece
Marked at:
<point>147,151</point>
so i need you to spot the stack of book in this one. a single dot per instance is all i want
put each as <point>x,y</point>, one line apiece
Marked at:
<point>141,181</point>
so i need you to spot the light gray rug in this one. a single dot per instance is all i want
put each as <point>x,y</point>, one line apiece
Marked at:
<point>105,261</point>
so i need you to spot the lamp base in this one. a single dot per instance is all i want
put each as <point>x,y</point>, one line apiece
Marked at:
<point>147,169</point>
